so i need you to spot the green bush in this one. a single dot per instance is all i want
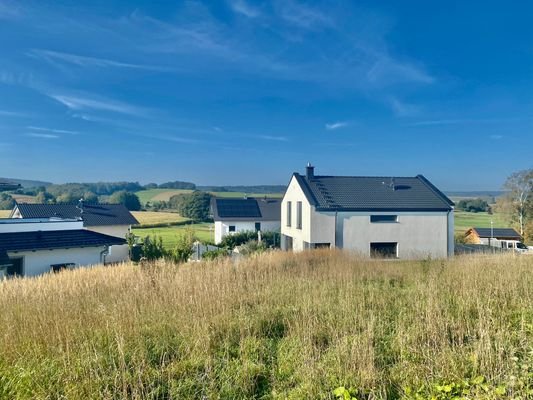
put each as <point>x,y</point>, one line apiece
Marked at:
<point>214,254</point>
<point>193,205</point>
<point>129,200</point>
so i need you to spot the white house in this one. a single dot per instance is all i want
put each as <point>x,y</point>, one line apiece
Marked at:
<point>396,217</point>
<point>108,219</point>
<point>30,247</point>
<point>248,214</point>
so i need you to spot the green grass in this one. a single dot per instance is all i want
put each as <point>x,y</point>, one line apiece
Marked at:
<point>204,232</point>
<point>274,326</point>
<point>465,220</point>
<point>159,217</point>
<point>166,194</point>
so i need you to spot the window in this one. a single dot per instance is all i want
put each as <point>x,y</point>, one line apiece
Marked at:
<point>16,267</point>
<point>289,213</point>
<point>383,218</point>
<point>384,250</point>
<point>299,215</point>
<point>321,246</point>
<point>232,228</point>
<point>257,226</point>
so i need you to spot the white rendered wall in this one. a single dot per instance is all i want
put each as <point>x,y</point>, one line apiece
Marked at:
<point>18,226</point>
<point>38,262</point>
<point>222,227</point>
<point>116,253</point>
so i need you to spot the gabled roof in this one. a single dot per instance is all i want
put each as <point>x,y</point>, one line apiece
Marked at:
<point>498,233</point>
<point>92,215</point>
<point>249,209</point>
<point>376,193</point>
<point>45,240</point>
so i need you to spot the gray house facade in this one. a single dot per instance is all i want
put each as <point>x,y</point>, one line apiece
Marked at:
<point>385,217</point>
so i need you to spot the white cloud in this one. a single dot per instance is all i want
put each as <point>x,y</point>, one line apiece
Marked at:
<point>40,128</point>
<point>242,7</point>
<point>402,109</point>
<point>302,16</point>
<point>42,135</point>
<point>84,61</point>
<point>336,125</point>
<point>86,103</point>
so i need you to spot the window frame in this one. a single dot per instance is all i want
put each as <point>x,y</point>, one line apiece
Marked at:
<point>299,212</point>
<point>289,214</point>
<point>386,218</point>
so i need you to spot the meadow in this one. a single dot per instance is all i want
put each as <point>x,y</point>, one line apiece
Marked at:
<point>204,232</point>
<point>159,217</point>
<point>5,213</point>
<point>165,194</point>
<point>273,326</point>
<point>465,220</point>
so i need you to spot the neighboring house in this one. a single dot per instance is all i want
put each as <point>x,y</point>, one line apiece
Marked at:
<point>248,214</point>
<point>108,219</point>
<point>397,217</point>
<point>30,247</point>
<point>506,238</point>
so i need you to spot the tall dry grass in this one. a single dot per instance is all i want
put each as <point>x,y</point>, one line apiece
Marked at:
<point>275,326</point>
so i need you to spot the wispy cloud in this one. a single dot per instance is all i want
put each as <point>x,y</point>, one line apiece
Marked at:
<point>53,130</point>
<point>84,61</point>
<point>272,138</point>
<point>403,109</point>
<point>336,125</point>
<point>303,16</point>
<point>76,102</point>
<point>6,113</point>
<point>460,121</point>
<point>42,135</point>
<point>242,7</point>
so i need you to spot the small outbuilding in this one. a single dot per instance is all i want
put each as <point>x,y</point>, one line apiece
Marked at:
<point>498,237</point>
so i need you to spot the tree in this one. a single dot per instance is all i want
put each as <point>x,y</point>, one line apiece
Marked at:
<point>193,205</point>
<point>130,200</point>
<point>474,205</point>
<point>45,197</point>
<point>6,202</point>
<point>518,202</point>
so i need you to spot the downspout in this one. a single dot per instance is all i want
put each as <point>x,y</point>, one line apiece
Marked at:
<point>335,232</point>
<point>103,254</point>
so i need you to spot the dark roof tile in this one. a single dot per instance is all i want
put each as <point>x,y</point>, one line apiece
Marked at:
<point>255,209</point>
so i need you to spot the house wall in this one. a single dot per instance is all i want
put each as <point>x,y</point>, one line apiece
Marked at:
<point>116,253</point>
<point>17,225</point>
<point>38,262</point>
<point>222,227</point>
<point>419,235</point>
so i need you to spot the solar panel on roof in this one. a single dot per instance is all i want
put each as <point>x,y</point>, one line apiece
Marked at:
<point>242,208</point>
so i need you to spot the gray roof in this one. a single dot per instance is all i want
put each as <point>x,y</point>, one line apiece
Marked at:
<point>93,214</point>
<point>371,193</point>
<point>249,209</point>
<point>45,240</point>
<point>503,233</point>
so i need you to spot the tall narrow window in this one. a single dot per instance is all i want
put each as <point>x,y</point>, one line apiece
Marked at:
<point>299,215</point>
<point>289,213</point>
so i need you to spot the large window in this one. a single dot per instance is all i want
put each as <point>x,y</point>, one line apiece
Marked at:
<point>384,250</point>
<point>299,215</point>
<point>289,213</point>
<point>383,218</point>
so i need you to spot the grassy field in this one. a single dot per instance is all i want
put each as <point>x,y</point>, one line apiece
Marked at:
<point>152,217</point>
<point>204,232</point>
<point>166,194</point>
<point>4,213</point>
<point>465,220</point>
<point>276,326</point>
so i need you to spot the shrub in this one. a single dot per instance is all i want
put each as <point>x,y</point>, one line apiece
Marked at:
<point>183,248</point>
<point>214,254</point>
<point>129,200</point>
<point>193,205</point>
<point>6,202</point>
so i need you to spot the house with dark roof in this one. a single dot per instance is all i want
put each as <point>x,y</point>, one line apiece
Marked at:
<point>108,219</point>
<point>393,217</point>
<point>247,214</point>
<point>33,246</point>
<point>506,238</point>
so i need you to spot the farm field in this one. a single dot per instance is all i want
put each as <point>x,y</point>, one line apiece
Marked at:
<point>160,217</point>
<point>465,220</point>
<point>274,326</point>
<point>5,213</point>
<point>203,231</point>
<point>166,194</point>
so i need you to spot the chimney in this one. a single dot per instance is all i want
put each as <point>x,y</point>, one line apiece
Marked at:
<point>309,171</point>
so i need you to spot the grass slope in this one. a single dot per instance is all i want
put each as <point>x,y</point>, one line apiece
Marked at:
<point>278,326</point>
<point>203,231</point>
<point>465,220</point>
<point>152,217</point>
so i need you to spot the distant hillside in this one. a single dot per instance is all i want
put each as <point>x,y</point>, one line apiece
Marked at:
<point>25,182</point>
<point>262,189</point>
<point>479,193</point>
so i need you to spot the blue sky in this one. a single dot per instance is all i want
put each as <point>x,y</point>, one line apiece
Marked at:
<point>246,92</point>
